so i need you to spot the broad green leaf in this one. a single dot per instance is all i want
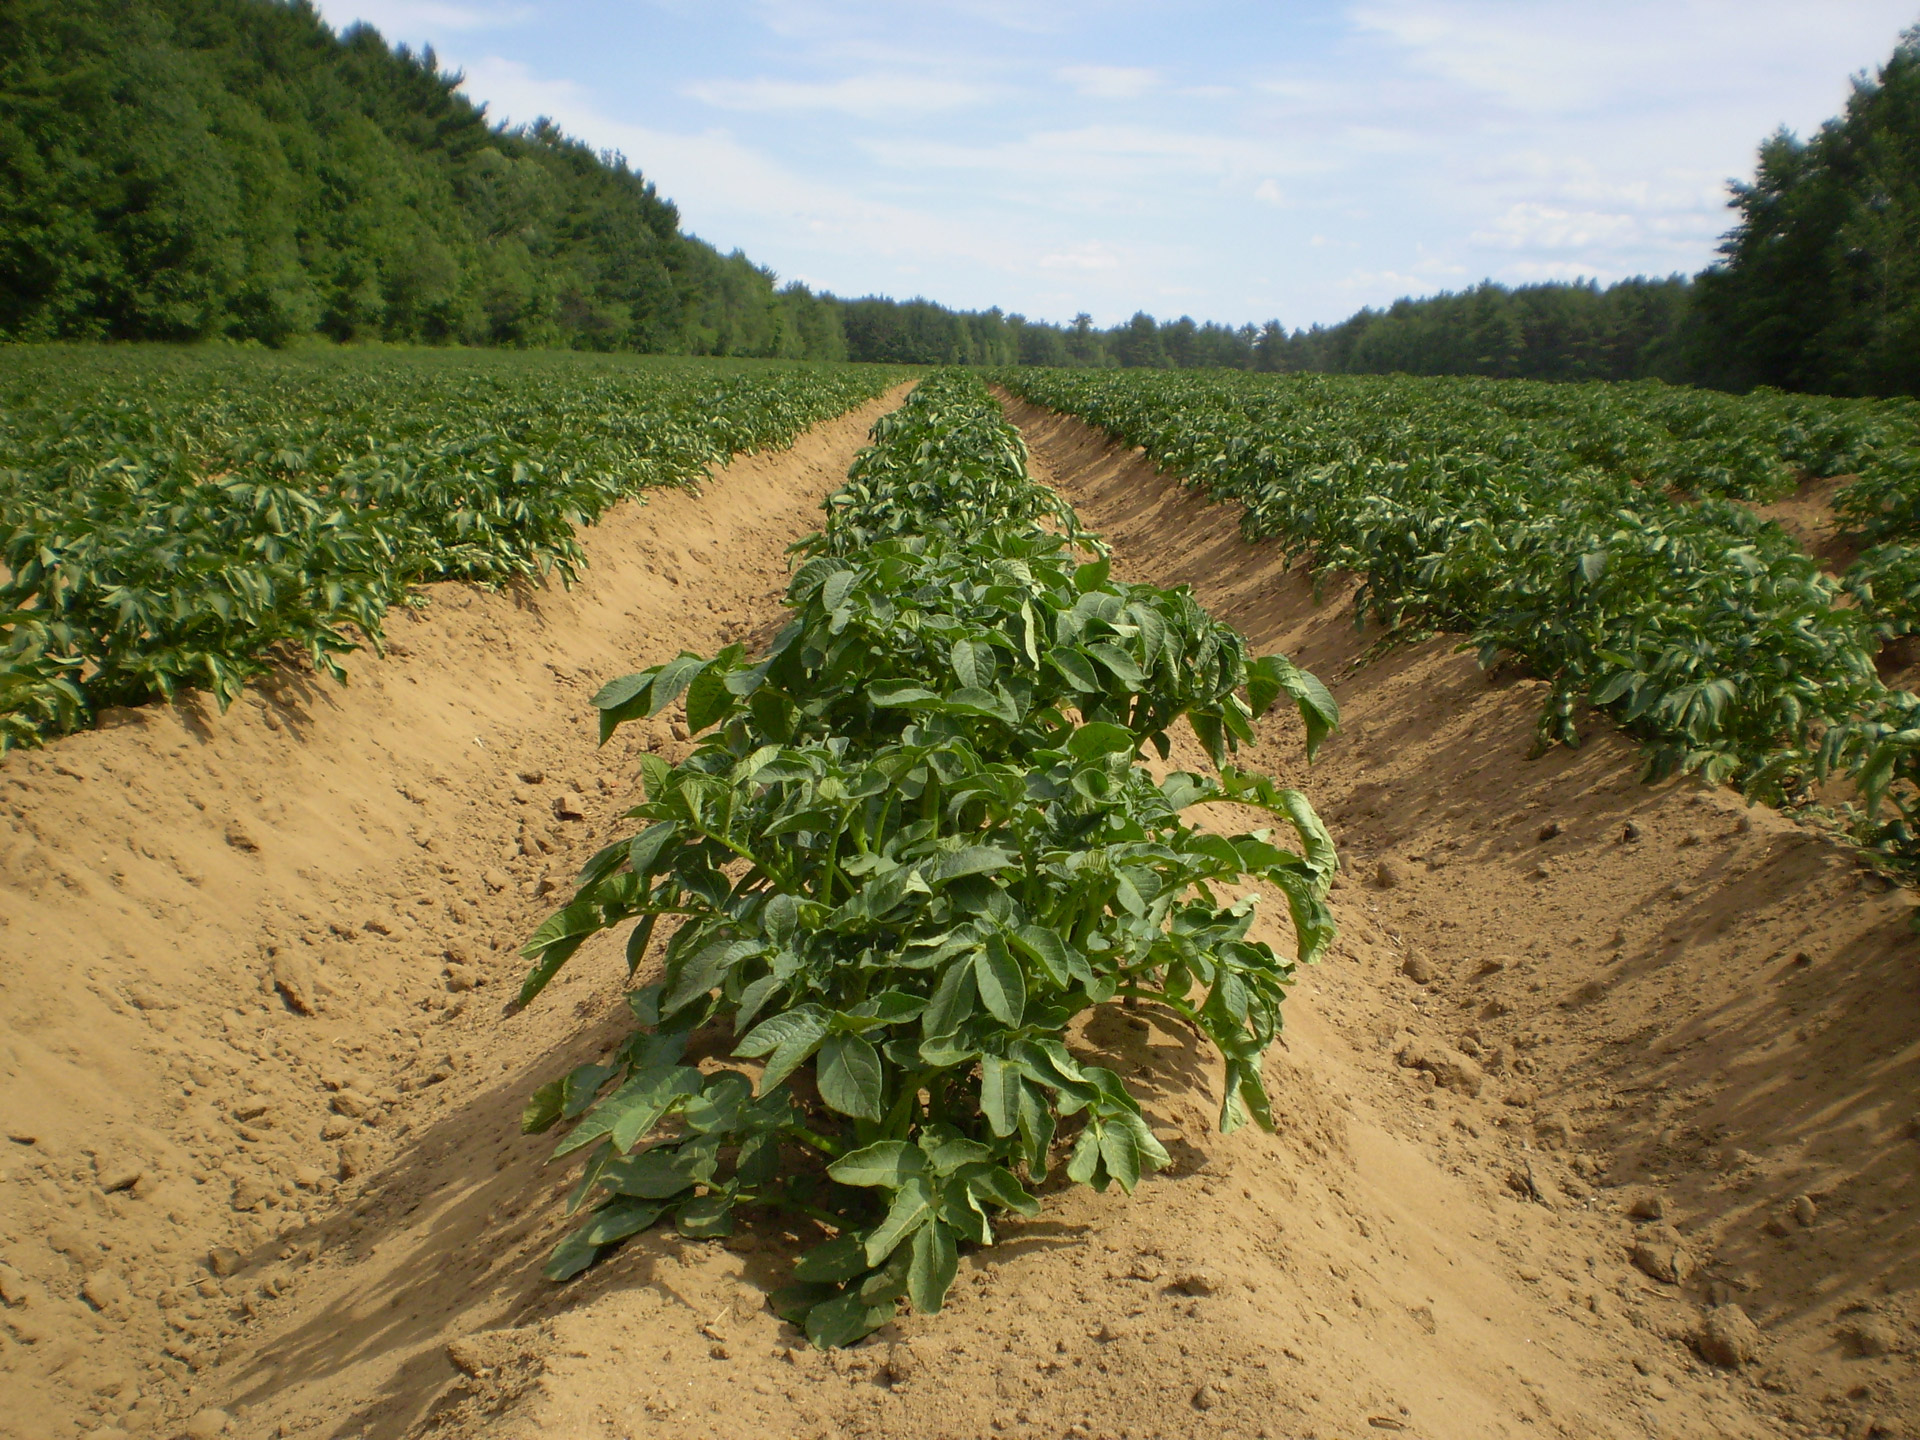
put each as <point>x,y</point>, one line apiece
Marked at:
<point>1000,1094</point>
<point>702,971</point>
<point>912,1207</point>
<point>952,1002</point>
<point>889,1163</point>
<point>850,1077</point>
<point>789,1038</point>
<point>543,1107</point>
<point>650,1175</point>
<point>838,1259</point>
<point>1100,738</point>
<point>706,1217</point>
<point>969,860</point>
<point>708,699</point>
<point>646,848</point>
<point>1048,949</point>
<point>632,1110</point>
<point>998,1184</point>
<point>845,1319</point>
<point>616,693</point>
<point>619,1218</point>
<point>1002,988</point>
<point>936,1260</point>
<point>674,677</point>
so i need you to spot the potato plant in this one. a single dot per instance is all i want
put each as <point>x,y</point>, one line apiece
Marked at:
<point>175,520</point>
<point>914,843</point>
<point>1589,531</point>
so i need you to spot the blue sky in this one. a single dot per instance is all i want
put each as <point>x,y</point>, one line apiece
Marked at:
<point>1232,161</point>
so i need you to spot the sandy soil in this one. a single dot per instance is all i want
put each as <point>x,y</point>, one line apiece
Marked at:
<point>1807,515</point>
<point>1593,1062</point>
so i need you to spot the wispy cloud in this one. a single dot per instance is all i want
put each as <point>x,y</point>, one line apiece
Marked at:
<point>1109,82</point>
<point>413,20</point>
<point>868,96</point>
<point>1094,256</point>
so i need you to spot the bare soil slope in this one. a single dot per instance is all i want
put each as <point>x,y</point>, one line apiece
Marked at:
<point>1560,997</point>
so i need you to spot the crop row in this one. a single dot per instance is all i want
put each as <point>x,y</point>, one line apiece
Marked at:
<point>1592,531</point>
<point>176,519</point>
<point>914,845</point>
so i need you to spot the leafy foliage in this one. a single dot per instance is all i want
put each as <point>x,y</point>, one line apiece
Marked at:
<point>913,845</point>
<point>1560,525</point>
<point>177,519</point>
<point>199,169</point>
<point>1819,288</point>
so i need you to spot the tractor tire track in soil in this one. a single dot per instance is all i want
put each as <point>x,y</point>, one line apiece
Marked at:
<point>1533,1025</point>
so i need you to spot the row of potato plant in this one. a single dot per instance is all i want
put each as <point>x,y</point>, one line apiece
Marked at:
<point>183,519</point>
<point>914,844</point>
<point>1619,572</point>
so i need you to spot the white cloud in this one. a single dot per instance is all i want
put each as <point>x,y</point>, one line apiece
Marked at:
<point>514,94</point>
<point>1081,257</point>
<point>1532,226</point>
<point>413,20</point>
<point>1269,193</point>
<point>1109,82</point>
<point>868,96</point>
<point>1565,56</point>
<point>726,187</point>
<point>1122,158</point>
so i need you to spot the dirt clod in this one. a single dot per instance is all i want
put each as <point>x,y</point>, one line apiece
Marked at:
<point>1417,968</point>
<point>903,1363</point>
<point>1196,1282</point>
<point>1728,1338</point>
<point>1554,1130</point>
<point>1869,1336</point>
<point>122,1173</point>
<point>1387,875</point>
<point>292,976</point>
<point>1448,1066</point>
<point>1660,1252</point>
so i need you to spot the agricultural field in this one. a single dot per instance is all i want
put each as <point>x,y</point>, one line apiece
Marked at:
<point>1603,536</point>
<point>807,954</point>
<point>953,853</point>
<point>177,519</point>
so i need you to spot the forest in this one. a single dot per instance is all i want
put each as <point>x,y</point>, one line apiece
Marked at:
<point>233,170</point>
<point>196,170</point>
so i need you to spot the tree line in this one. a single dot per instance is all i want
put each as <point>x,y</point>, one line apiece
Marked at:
<point>1543,332</point>
<point>233,169</point>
